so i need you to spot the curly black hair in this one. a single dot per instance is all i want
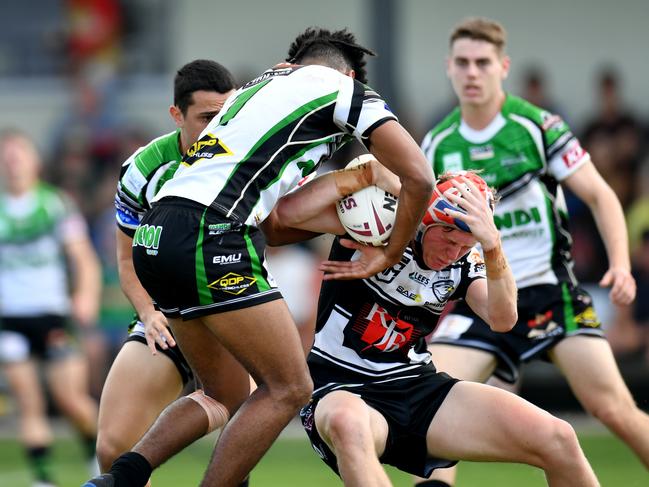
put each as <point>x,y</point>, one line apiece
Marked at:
<point>335,47</point>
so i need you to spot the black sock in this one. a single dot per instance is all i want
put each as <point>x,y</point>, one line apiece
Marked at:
<point>433,483</point>
<point>245,483</point>
<point>40,463</point>
<point>131,470</point>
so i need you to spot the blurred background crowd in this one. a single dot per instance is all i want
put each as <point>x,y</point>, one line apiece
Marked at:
<point>90,81</point>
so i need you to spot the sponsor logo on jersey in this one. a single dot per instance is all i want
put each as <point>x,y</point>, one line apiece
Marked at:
<point>279,70</point>
<point>148,236</point>
<point>517,218</point>
<point>481,153</point>
<point>385,333</point>
<point>513,160</point>
<point>552,122</point>
<point>409,294</point>
<point>226,259</point>
<point>452,162</point>
<point>232,283</point>
<point>443,289</point>
<point>573,155</point>
<point>419,278</point>
<point>388,275</point>
<point>206,148</point>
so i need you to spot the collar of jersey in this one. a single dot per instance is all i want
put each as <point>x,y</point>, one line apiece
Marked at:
<point>484,135</point>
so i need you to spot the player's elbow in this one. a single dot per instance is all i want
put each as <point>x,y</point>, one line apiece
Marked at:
<point>503,320</point>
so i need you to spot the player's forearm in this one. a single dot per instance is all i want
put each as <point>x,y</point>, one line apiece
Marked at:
<point>501,290</point>
<point>413,201</point>
<point>86,289</point>
<point>609,217</point>
<point>128,279</point>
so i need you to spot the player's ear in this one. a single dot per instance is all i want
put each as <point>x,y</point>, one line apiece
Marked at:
<point>176,115</point>
<point>506,62</point>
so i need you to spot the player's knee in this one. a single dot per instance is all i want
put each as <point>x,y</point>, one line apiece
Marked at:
<point>108,449</point>
<point>560,444</point>
<point>341,422</point>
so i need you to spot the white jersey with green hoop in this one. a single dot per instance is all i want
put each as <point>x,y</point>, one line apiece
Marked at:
<point>142,176</point>
<point>524,153</point>
<point>273,131</point>
<point>34,228</point>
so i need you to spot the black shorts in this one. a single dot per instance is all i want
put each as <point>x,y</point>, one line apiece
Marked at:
<point>194,262</point>
<point>546,315</point>
<point>45,337</point>
<point>136,334</point>
<point>408,403</point>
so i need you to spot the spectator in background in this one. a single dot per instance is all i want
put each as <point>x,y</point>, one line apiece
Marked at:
<point>39,228</point>
<point>535,89</point>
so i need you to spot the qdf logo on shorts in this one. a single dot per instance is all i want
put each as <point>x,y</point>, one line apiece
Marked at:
<point>232,283</point>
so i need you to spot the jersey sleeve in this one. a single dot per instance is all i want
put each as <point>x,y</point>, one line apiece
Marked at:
<point>129,204</point>
<point>473,267</point>
<point>359,109</point>
<point>564,153</point>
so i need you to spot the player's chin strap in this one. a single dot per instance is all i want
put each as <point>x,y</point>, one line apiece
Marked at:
<point>217,413</point>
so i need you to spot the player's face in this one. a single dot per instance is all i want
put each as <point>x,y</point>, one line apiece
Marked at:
<point>443,245</point>
<point>19,164</point>
<point>476,71</point>
<point>206,105</point>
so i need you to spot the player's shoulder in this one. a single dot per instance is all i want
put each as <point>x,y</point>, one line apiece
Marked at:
<point>55,199</point>
<point>445,127</point>
<point>159,150</point>
<point>519,107</point>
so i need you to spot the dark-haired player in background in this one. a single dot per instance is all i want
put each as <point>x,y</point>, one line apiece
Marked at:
<point>141,381</point>
<point>200,255</point>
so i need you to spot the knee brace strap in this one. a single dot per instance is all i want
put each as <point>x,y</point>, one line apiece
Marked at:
<point>217,414</point>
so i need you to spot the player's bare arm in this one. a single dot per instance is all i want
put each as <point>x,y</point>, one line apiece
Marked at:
<point>155,323</point>
<point>607,211</point>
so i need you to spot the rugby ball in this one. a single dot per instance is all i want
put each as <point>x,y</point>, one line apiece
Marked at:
<point>368,215</point>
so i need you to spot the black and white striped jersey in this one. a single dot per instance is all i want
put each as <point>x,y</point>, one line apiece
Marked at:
<point>273,131</point>
<point>377,326</point>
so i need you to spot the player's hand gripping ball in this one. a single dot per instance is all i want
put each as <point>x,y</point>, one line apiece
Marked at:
<point>368,215</point>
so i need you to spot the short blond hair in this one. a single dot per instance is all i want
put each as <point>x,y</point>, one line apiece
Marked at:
<point>481,29</point>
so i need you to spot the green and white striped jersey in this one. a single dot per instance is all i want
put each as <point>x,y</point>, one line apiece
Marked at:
<point>142,176</point>
<point>273,131</point>
<point>524,153</point>
<point>34,228</point>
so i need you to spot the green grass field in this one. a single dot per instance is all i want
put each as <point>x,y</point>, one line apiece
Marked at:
<point>292,463</point>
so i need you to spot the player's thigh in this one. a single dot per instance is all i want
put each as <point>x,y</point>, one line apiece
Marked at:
<point>477,422</point>
<point>352,416</point>
<point>221,375</point>
<point>463,362</point>
<point>265,340</point>
<point>24,383</point>
<point>138,387</point>
<point>590,368</point>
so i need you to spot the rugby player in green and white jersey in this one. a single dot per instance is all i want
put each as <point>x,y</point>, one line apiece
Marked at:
<point>50,279</point>
<point>200,89</point>
<point>527,154</point>
<point>202,258</point>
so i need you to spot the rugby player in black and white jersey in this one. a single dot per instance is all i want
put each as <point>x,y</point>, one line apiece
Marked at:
<point>377,396</point>
<point>201,255</point>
